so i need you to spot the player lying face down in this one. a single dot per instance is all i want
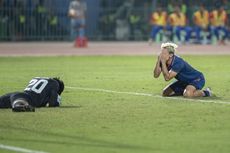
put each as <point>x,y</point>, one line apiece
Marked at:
<point>40,92</point>
<point>189,81</point>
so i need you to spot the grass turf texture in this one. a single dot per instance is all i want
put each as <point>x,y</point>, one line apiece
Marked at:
<point>108,123</point>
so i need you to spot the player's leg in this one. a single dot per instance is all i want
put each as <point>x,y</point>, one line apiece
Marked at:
<point>197,30</point>
<point>73,29</point>
<point>216,32</point>
<point>194,89</point>
<point>209,31</point>
<point>169,32</point>
<point>188,31</point>
<point>178,32</point>
<point>213,34</point>
<point>5,101</point>
<point>225,34</point>
<point>21,102</point>
<point>81,40</point>
<point>174,89</point>
<point>191,92</point>
<point>167,91</point>
<point>81,29</point>
<point>155,31</point>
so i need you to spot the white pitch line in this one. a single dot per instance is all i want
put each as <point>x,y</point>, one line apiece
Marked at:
<point>18,149</point>
<point>148,95</point>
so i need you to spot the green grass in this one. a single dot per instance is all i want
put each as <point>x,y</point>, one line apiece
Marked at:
<point>98,122</point>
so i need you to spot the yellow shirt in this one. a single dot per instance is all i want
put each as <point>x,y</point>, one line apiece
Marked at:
<point>176,20</point>
<point>218,20</point>
<point>159,19</point>
<point>201,20</point>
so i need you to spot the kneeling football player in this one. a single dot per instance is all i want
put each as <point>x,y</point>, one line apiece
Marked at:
<point>40,92</point>
<point>189,81</point>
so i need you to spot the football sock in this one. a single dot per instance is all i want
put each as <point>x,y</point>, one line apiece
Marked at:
<point>206,93</point>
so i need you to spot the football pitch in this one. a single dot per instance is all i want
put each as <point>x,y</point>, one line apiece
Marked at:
<point>112,104</point>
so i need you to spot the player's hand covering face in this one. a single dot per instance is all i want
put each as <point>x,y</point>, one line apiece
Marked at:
<point>164,56</point>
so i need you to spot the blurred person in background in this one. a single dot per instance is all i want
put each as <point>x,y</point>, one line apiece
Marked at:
<point>4,20</point>
<point>183,6</point>
<point>41,18</point>
<point>106,22</point>
<point>77,14</point>
<point>226,4</point>
<point>53,25</point>
<point>122,16</point>
<point>2,8</point>
<point>21,20</point>
<point>135,25</point>
<point>124,10</point>
<point>201,22</point>
<point>178,23</point>
<point>218,20</point>
<point>158,22</point>
<point>106,25</point>
<point>170,6</point>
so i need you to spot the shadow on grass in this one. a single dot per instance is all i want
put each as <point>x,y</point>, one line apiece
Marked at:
<point>82,141</point>
<point>212,98</point>
<point>69,107</point>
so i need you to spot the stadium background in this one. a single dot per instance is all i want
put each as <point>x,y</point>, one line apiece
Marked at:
<point>48,20</point>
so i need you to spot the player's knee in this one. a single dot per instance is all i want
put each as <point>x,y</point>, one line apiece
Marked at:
<point>188,94</point>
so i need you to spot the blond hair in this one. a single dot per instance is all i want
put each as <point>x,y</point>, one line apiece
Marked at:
<point>171,47</point>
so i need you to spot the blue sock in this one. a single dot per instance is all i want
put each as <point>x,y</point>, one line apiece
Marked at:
<point>206,93</point>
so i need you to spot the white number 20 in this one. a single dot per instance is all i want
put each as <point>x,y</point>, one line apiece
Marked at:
<point>36,86</point>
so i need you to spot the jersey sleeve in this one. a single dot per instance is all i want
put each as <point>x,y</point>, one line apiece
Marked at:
<point>177,67</point>
<point>54,100</point>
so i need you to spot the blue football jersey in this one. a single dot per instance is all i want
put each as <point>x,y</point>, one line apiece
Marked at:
<point>185,72</point>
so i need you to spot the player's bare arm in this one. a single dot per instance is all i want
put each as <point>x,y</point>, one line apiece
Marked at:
<point>157,69</point>
<point>164,57</point>
<point>168,75</point>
